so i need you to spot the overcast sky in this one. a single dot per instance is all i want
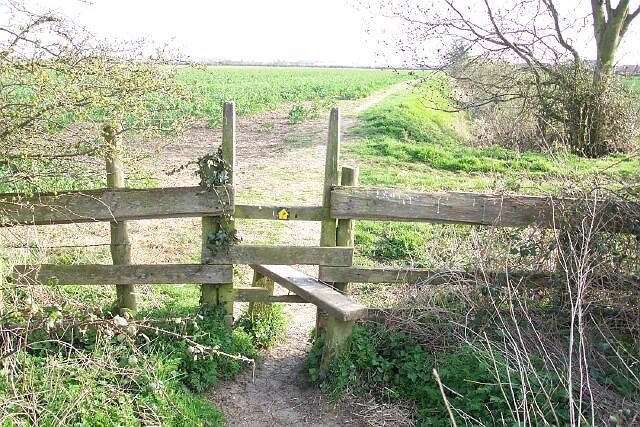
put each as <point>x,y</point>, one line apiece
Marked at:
<point>323,31</point>
<point>335,32</point>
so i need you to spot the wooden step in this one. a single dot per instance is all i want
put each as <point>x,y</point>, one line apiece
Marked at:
<point>314,291</point>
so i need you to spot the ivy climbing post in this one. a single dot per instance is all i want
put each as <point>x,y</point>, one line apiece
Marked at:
<point>218,232</point>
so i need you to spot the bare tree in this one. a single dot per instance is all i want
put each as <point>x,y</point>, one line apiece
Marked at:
<point>535,53</point>
<point>610,24</point>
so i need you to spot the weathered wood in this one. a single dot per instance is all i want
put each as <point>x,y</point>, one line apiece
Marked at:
<point>113,205</point>
<point>269,254</point>
<point>387,275</point>
<point>328,227</point>
<point>445,207</point>
<point>314,291</point>
<point>225,291</point>
<point>98,274</point>
<point>221,295</point>
<point>336,340</point>
<point>119,233</point>
<point>262,296</point>
<point>345,229</point>
<point>263,283</point>
<point>531,279</point>
<point>293,213</point>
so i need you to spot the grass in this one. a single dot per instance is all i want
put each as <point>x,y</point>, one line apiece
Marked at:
<point>258,89</point>
<point>408,141</point>
<point>112,380</point>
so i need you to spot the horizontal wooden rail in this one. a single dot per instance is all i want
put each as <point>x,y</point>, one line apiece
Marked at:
<point>326,298</point>
<point>98,274</point>
<point>535,279</point>
<point>279,255</point>
<point>423,275</point>
<point>262,295</point>
<point>282,213</point>
<point>444,207</point>
<point>114,205</point>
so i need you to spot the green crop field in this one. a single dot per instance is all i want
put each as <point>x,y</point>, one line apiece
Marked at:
<point>258,89</point>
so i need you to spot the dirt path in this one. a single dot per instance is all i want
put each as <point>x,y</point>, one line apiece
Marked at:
<point>276,163</point>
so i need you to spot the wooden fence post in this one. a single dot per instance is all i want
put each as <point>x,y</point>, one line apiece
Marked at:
<point>261,281</point>
<point>328,227</point>
<point>120,244</point>
<point>345,228</point>
<point>221,295</point>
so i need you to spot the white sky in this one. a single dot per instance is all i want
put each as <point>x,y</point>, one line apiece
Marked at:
<point>325,31</point>
<point>335,32</point>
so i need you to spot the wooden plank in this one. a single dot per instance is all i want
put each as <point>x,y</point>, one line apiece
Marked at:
<point>98,274</point>
<point>328,227</point>
<point>326,298</point>
<point>345,232</point>
<point>443,207</point>
<point>119,230</point>
<point>225,290</point>
<point>113,205</point>
<point>261,295</point>
<point>532,279</point>
<point>294,213</point>
<point>383,275</point>
<point>276,255</point>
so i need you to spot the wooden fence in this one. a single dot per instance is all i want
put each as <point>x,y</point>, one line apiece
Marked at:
<point>343,202</point>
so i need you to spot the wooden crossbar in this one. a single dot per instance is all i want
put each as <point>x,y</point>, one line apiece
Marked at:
<point>312,290</point>
<point>443,207</point>
<point>98,274</point>
<point>262,295</point>
<point>282,212</point>
<point>531,279</point>
<point>277,255</point>
<point>114,205</point>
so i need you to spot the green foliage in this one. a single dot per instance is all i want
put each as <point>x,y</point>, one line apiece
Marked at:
<point>104,393</point>
<point>264,326</point>
<point>392,365</point>
<point>59,87</point>
<point>201,372</point>
<point>410,140</point>
<point>258,89</point>
<point>125,375</point>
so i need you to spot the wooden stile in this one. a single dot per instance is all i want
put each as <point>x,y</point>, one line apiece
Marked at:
<point>312,290</point>
<point>100,274</point>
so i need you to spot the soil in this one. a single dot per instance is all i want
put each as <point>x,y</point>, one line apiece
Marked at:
<point>277,162</point>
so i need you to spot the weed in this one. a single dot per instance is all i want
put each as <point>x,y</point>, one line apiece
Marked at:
<point>264,327</point>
